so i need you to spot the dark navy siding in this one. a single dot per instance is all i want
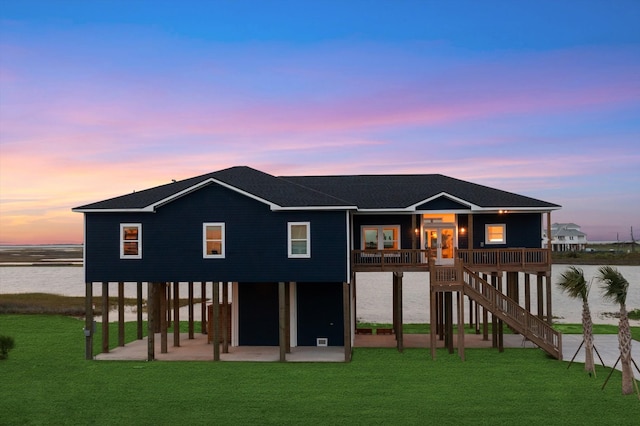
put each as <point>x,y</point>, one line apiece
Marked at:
<point>320,313</point>
<point>524,230</point>
<point>406,230</point>
<point>256,242</point>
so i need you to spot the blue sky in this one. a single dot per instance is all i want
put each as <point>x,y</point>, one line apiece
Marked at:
<point>100,98</point>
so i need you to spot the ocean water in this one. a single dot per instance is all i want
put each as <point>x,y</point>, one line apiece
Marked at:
<point>374,292</point>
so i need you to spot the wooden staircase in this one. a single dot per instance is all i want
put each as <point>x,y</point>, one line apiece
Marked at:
<point>508,310</point>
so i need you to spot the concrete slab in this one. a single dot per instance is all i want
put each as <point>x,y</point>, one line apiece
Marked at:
<point>198,349</point>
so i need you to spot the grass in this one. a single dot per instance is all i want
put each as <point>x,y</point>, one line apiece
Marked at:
<point>47,381</point>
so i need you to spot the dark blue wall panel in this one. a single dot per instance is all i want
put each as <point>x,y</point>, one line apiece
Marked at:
<point>258,314</point>
<point>256,242</point>
<point>524,230</point>
<point>320,313</point>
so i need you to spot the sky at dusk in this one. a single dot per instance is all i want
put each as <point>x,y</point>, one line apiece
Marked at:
<point>100,98</point>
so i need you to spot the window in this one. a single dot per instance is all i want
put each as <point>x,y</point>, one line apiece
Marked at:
<point>213,245</point>
<point>380,237</point>
<point>130,241</point>
<point>299,239</point>
<point>496,234</point>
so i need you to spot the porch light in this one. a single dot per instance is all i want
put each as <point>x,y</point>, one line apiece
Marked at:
<point>417,231</point>
<point>462,230</point>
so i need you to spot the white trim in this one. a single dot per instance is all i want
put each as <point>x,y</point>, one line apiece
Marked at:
<point>290,254</point>
<point>206,255</point>
<point>504,233</point>
<point>121,240</point>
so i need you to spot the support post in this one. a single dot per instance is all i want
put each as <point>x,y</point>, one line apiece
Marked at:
<point>461,325</point>
<point>346,314</point>
<point>203,308</point>
<point>397,278</point>
<point>163,318</point>
<point>287,314</point>
<point>105,317</point>
<point>225,317</point>
<point>176,314</point>
<point>190,302</point>
<point>216,321</point>
<point>88,321</point>
<point>139,310</point>
<point>527,292</point>
<point>448,308</point>
<point>540,295</point>
<point>282,321</point>
<point>121,314</point>
<point>549,310</point>
<point>151,335</point>
<point>432,320</point>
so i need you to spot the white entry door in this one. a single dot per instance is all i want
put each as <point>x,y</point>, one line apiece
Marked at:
<point>440,242</point>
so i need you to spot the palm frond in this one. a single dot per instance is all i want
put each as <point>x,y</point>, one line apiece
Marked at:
<point>574,284</point>
<point>614,285</point>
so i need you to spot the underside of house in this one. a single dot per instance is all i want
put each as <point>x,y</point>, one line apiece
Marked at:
<point>280,257</point>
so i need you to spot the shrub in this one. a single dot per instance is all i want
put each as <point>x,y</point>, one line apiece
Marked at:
<point>6,344</point>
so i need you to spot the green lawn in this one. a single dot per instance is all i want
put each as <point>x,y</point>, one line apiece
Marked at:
<point>47,381</point>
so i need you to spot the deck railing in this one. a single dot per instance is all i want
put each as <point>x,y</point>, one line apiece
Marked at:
<point>505,258</point>
<point>390,259</point>
<point>418,259</point>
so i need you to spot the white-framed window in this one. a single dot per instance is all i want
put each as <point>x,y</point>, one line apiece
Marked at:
<point>299,239</point>
<point>495,233</point>
<point>384,237</point>
<point>130,241</point>
<point>213,244</point>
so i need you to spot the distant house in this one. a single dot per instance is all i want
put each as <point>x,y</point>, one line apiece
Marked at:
<point>289,248</point>
<point>565,237</point>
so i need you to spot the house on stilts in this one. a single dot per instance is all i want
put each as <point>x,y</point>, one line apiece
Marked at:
<point>286,251</point>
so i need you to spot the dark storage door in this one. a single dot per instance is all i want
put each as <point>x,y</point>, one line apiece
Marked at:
<point>320,313</point>
<point>258,314</point>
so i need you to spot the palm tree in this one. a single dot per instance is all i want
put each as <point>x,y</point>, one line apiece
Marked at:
<point>615,288</point>
<point>573,283</point>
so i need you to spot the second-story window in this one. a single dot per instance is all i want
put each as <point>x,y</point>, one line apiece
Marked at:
<point>213,244</point>
<point>130,241</point>
<point>299,239</point>
<point>381,237</point>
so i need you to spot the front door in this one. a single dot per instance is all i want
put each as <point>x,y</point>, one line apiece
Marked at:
<point>440,243</point>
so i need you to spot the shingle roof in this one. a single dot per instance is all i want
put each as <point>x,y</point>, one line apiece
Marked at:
<point>349,192</point>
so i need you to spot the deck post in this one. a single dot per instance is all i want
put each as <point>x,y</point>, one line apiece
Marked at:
<point>88,321</point>
<point>105,317</point>
<point>540,297</point>
<point>190,302</point>
<point>461,325</point>
<point>549,310</point>
<point>527,292</point>
<point>139,310</point>
<point>225,317</point>
<point>120,313</point>
<point>397,280</point>
<point>448,309</point>
<point>163,318</point>
<point>215,321</point>
<point>151,333</point>
<point>282,334</point>
<point>176,313</point>
<point>203,307</point>
<point>485,318</point>
<point>432,314</point>
<point>346,314</point>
